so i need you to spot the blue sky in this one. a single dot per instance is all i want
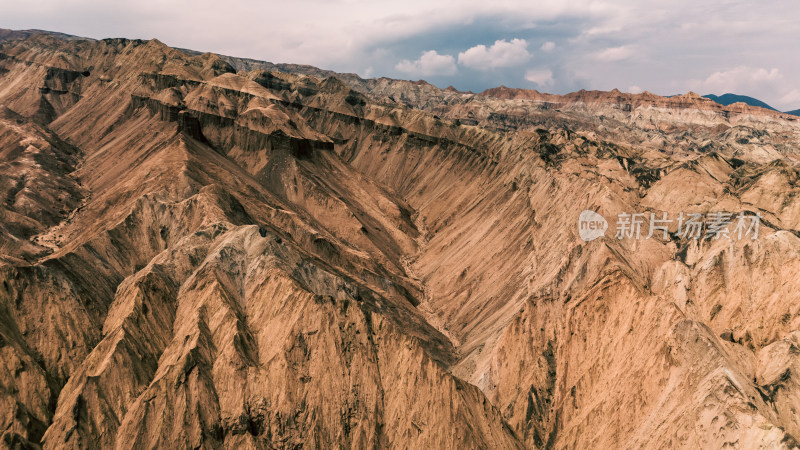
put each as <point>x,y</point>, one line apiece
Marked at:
<point>666,47</point>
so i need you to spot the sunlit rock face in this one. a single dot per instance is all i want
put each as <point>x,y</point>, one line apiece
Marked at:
<point>202,251</point>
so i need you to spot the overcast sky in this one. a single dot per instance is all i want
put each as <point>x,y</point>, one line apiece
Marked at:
<point>666,47</point>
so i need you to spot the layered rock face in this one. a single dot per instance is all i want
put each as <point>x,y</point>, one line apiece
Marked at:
<point>209,252</point>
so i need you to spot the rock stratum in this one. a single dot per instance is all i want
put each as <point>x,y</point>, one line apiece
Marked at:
<point>199,251</point>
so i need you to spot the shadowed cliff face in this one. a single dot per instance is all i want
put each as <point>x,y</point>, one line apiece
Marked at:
<point>205,251</point>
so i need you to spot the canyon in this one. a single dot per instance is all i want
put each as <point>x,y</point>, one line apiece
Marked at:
<point>203,251</point>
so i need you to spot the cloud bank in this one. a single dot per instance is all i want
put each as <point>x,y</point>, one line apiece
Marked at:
<point>500,54</point>
<point>430,63</point>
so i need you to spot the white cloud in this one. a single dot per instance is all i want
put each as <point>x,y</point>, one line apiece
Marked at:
<point>596,31</point>
<point>739,79</point>
<point>430,63</point>
<point>634,89</point>
<point>615,53</point>
<point>791,99</point>
<point>501,54</point>
<point>548,46</point>
<point>541,77</point>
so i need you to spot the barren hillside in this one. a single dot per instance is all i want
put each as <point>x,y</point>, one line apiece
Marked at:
<point>199,251</point>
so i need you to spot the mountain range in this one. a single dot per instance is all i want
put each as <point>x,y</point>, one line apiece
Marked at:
<point>202,251</point>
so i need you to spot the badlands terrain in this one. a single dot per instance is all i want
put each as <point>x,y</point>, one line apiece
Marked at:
<point>200,251</point>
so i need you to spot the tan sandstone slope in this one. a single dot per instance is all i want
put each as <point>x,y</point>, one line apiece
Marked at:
<point>210,252</point>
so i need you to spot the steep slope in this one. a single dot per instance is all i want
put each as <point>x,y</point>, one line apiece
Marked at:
<point>164,213</point>
<point>209,252</point>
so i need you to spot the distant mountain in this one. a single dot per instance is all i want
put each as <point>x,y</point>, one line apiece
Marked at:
<point>727,99</point>
<point>7,35</point>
